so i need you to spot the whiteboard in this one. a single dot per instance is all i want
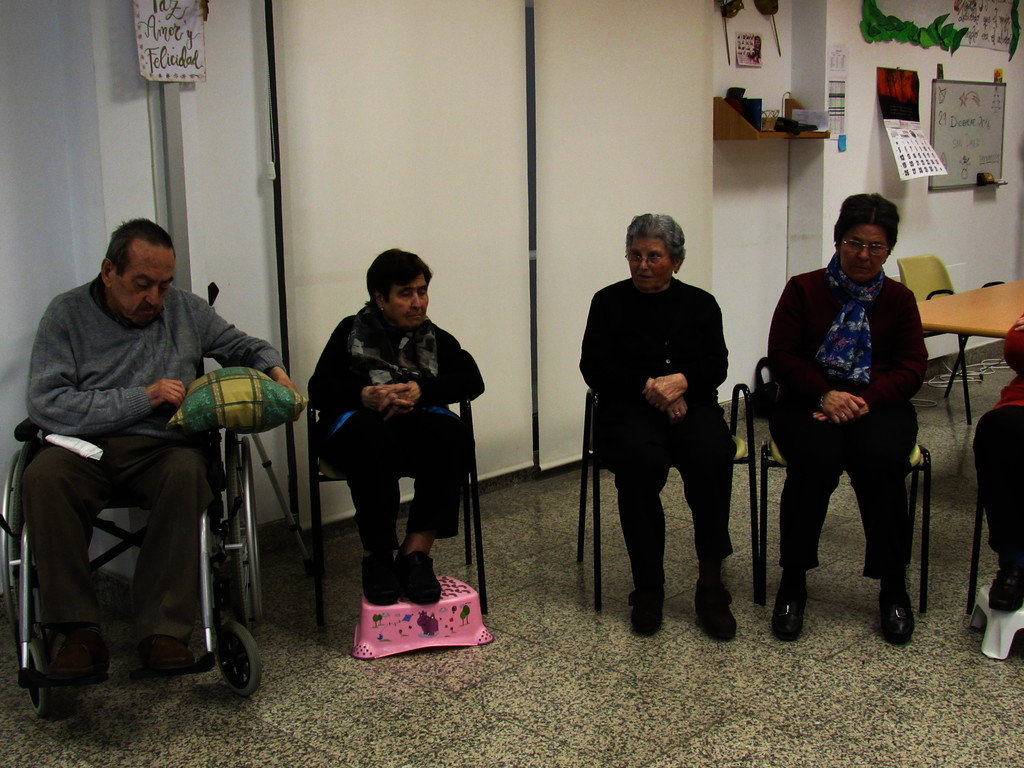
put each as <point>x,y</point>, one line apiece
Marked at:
<point>967,131</point>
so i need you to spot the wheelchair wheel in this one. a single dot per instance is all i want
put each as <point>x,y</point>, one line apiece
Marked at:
<point>239,658</point>
<point>243,553</point>
<point>40,697</point>
<point>10,544</point>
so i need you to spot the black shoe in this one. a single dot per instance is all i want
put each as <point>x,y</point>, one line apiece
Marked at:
<point>380,584</point>
<point>1007,591</point>
<point>416,575</point>
<point>788,616</point>
<point>646,614</point>
<point>712,604</point>
<point>897,617</point>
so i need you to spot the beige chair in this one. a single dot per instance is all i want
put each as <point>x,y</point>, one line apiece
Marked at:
<point>927,277</point>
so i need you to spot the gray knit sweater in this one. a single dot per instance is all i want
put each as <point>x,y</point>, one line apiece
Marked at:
<point>88,374</point>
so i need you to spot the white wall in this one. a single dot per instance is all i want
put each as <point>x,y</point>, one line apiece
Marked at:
<point>403,125</point>
<point>76,159</point>
<point>776,201</point>
<point>623,128</point>
<point>976,231</point>
<point>751,200</point>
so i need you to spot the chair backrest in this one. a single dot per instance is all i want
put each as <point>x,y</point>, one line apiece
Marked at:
<point>924,274</point>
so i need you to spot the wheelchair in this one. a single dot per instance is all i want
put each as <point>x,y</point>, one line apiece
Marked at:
<point>229,580</point>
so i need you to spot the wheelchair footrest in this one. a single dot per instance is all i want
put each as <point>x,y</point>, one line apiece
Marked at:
<point>33,678</point>
<point>204,664</point>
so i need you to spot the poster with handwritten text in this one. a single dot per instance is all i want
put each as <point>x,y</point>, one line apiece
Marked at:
<point>976,23</point>
<point>169,38</point>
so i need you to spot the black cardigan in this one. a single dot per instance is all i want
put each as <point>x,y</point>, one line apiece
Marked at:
<point>632,336</point>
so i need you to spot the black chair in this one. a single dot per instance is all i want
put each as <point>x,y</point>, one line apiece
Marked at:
<point>322,472</point>
<point>921,467</point>
<point>590,466</point>
<point>979,524</point>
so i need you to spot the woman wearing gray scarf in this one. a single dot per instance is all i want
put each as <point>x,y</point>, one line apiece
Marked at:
<point>381,387</point>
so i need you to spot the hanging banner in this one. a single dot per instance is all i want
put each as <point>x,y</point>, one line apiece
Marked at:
<point>169,38</point>
<point>947,24</point>
<point>899,100</point>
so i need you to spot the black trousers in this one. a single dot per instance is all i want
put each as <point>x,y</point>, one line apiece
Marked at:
<point>998,457</point>
<point>639,446</point>
<point>875,452</point>
<point>375,454</point>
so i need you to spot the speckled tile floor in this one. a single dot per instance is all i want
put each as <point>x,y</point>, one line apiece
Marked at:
<point>562,685</point>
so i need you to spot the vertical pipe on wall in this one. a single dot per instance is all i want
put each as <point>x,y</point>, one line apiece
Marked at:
<point>282,297</point>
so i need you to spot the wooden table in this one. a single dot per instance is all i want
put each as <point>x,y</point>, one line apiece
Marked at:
<point>982,312</point>
<point>985,312</point>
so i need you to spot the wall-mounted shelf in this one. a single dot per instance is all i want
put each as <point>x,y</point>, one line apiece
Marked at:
<point>730,124</point>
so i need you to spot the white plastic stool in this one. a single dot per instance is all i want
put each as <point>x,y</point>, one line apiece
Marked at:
<point>999,626</point>
<point>455,619</point>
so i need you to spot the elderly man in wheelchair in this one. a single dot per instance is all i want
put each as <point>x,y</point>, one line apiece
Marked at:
<point>110,363</point>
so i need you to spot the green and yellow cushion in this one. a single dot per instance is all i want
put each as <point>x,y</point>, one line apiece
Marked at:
<point>243,400</point>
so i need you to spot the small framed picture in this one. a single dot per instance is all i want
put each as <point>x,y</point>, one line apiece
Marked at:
<point>748,50</point>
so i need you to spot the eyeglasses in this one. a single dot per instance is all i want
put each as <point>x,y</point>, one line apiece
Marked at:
<point>652,259</point>
<point>874,249</point>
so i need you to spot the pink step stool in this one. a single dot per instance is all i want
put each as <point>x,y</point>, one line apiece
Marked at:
<point>385,630</point>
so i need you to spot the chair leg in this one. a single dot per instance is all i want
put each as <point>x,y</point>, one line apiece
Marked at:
<point>972,585</point>
<point>316,525</point>
<point>474,491</point>
<point>961,364</point>
<point>597,534</point>
<point>926,526</point>
<point>754,534</point>
<point>762,544</point>
<point>584,465</point>
<point>466,519</point>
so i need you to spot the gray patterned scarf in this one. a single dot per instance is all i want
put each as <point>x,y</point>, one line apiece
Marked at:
<point>374,354</point>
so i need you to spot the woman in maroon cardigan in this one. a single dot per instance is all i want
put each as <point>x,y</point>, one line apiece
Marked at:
<point>847,349</point>
<point>998,457</point>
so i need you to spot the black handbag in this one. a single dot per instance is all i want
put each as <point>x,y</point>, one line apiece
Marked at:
<point>766,391</point>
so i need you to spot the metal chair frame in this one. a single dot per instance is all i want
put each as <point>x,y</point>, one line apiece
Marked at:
<point>921,466</point>
<point>470,510</point>
<point>590,467</point>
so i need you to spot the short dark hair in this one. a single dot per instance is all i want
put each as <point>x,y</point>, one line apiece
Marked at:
<point>867,209</point>
<point>394,267</point>
<point>662,227</point>
<point>134,229</point>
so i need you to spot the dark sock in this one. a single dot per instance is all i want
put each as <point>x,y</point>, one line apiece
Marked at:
<point>894,584</point>
<point>793,584</point>
<point>709,573</point>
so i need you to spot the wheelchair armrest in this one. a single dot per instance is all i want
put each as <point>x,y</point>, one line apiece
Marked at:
<point>26,431</point>
<point>939,292</point>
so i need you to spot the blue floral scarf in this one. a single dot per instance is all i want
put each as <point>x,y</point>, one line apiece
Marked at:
<point>846,350</point>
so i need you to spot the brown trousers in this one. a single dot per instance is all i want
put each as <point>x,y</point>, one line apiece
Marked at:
<point>63,492</point>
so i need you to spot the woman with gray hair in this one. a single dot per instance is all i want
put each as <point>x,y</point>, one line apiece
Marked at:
<point>654,351</point>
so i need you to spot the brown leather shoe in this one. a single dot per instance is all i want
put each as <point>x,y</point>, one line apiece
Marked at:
<point>165,652</point>
<point>82,654</point>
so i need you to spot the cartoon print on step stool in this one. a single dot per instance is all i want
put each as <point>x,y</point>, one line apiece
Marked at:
<point>428,624</point>
<point>464,614</point>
